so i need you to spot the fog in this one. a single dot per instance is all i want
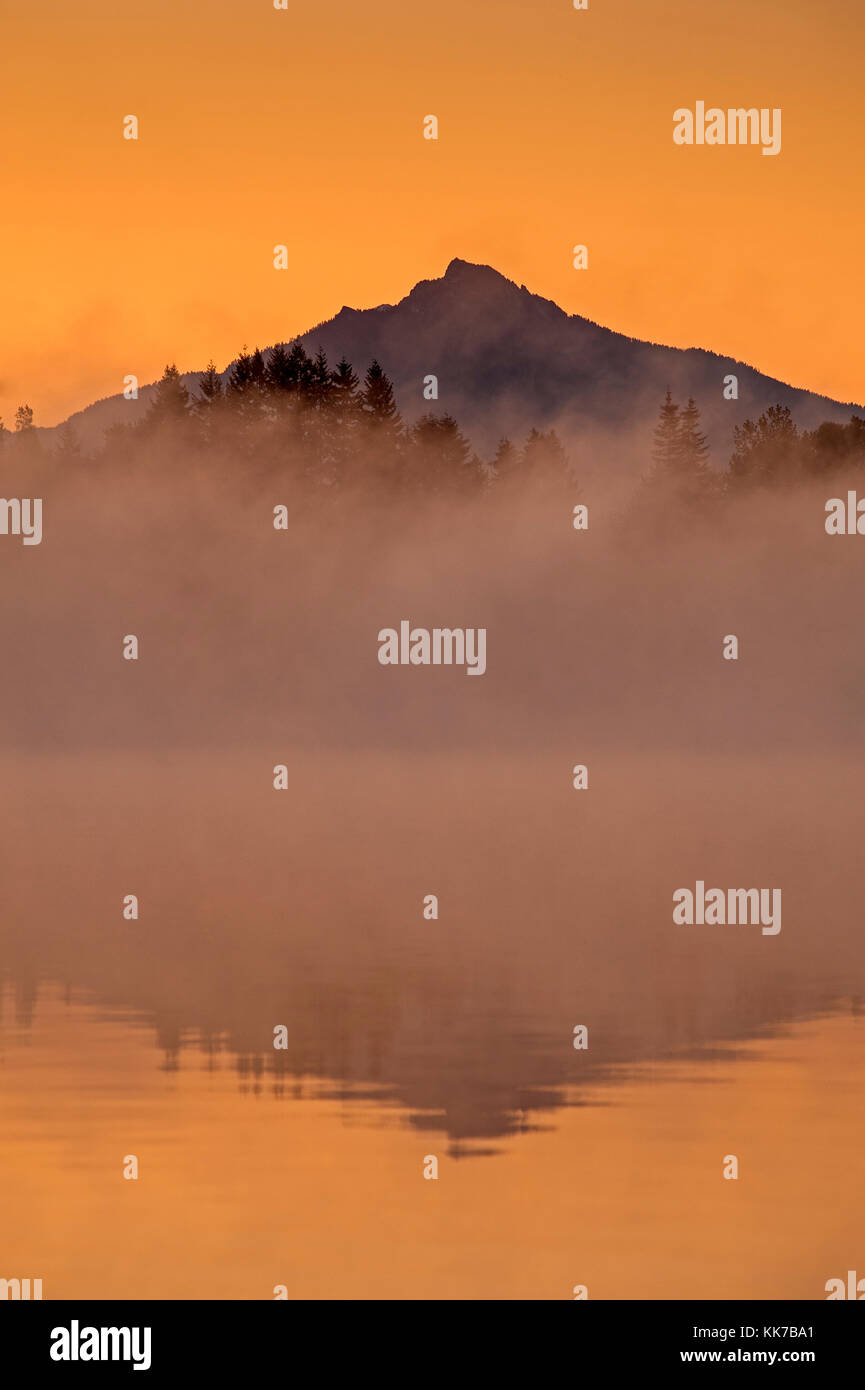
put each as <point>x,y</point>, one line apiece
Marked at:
<point>259,648</point>
<point>606,637</point>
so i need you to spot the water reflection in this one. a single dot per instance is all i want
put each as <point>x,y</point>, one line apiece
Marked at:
<point>304,910</point>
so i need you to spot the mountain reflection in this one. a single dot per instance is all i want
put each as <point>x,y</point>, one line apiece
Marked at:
<point>305,910</point>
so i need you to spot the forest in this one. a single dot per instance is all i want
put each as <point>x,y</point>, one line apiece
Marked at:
<point>283,412</point>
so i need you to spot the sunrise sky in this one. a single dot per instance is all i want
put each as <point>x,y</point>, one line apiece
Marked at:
<point>261,126</point>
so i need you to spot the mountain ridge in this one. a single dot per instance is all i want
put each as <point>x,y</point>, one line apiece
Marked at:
<point>507,360</point>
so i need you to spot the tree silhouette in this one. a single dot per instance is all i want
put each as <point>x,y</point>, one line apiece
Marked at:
<point>209,386</point>
<point>383,426</point>
<point>379,406</point>
<point>767,451</point>
<point>833,448</point>
<point>666,439</point>
<point>440,455</point>
<point>543,459</point>
<point>346,414</point>
<point>170,402</point>
<point>693,449</point>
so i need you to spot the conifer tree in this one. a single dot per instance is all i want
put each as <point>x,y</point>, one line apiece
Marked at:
<point>239,376</point>
<point>768,451</point>
<point>666,440</point>
<point>379,407</point>
<point>693,449</point>
<point>278,371</point>
<point>346,415</point>
<point>543,458</point>
<point>346,400</point>
<point>440,455</point>
<point>209,385</point>
<point>208,405</point>
<point>382,426</point>
<point>170,403</point>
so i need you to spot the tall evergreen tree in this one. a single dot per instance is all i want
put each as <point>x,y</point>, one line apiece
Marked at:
<point>239,376</point>
<point>382,426</point>
<point>278,369</point>
<point>440,455</point>
<point>666,442</point>
<point>346,415</point>
<point>258,372</point>
<point>543,458</point>
<point>207,406</point>
<point>210,385</point>
<point>299,368</point>
<point>345,396</point>
<point>379,406</point>
<point>693,449</point>
<point>170,399</point>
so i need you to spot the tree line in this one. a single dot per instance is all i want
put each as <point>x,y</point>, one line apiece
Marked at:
<point>289,410</point>
<point>768,452</point>
<point>326,427</point>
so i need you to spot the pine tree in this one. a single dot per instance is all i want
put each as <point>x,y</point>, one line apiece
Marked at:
<point>207,405</point>
<point>440,455</point>
<point>170,402</point>
<point>299,370</point>
<point>319,430</point>
<point>346,400</point>
<point>257,372</point>
<point>278,370</point>
<point>666,439</point>
<point>543,458</point>
<point>23,419</point>
<point>210,384</point>
<point>383,426</point>
<point>379,406</point>
<point>346,415</point>
<point>239,377</point>
<point>693,449</point>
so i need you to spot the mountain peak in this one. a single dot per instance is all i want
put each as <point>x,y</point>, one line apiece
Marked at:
<point>507,359</point>
<point>471,270</point>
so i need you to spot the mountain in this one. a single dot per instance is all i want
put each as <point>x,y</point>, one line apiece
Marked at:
<point>507,360</point>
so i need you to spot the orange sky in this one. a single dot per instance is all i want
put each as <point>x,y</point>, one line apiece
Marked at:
<point>303,126</point>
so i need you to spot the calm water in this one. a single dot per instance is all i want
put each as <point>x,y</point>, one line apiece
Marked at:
<point>409,1037</point>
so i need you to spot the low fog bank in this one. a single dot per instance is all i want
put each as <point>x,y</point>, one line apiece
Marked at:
<point>611,635</point>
